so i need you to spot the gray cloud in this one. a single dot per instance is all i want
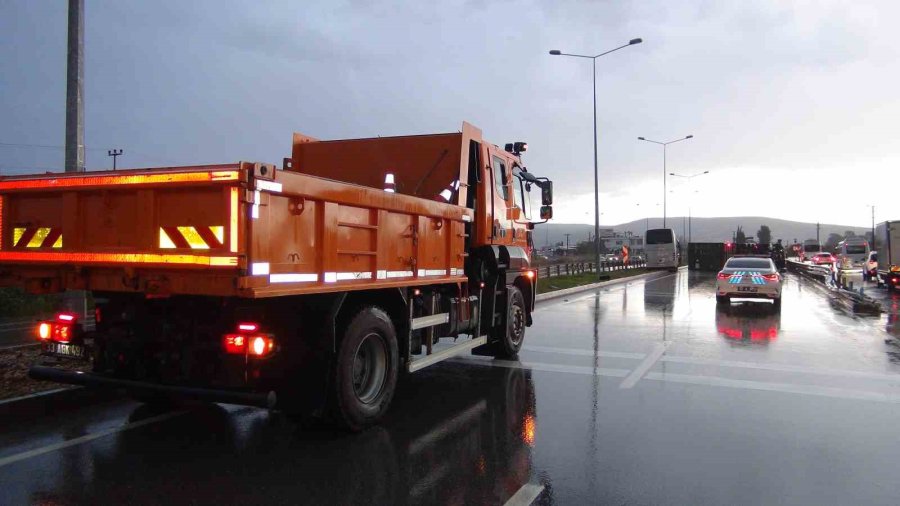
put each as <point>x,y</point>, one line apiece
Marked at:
<point>768,85</point>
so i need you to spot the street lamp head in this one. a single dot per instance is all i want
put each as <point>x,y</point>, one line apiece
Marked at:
<point>641,139</point>
<point>671,173</point>
<point>635,41</point>
<point>555,52</point>
<point>706,172</point>
<point>689,137</point>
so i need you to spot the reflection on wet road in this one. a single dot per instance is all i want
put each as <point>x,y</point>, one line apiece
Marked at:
<point>644,393</point>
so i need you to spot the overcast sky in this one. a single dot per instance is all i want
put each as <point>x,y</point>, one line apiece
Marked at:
<point>794,107</point>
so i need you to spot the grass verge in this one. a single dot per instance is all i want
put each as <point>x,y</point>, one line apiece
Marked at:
<point>562,282</point>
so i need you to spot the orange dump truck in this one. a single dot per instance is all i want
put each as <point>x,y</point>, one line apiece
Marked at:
<point>304,288</point>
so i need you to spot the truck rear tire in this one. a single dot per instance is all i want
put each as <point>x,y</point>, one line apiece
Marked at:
<point>366,369</point>
<point>510,341</point>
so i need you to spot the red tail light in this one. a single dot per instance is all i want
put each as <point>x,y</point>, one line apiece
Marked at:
<point>45,330</point>
<point>235,344</point>
<point>722,275</point>
<point>55,331</point>
<point>248,341</point>
<point>771,277</point>
<point>261,345</point>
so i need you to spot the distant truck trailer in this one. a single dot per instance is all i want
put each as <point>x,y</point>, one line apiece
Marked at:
<point>887,244</point>
<point>706,256</point>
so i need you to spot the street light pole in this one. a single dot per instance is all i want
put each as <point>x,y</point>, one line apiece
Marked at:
<point>557,52</point>
<point>664,144</point>
<point>690,178</point>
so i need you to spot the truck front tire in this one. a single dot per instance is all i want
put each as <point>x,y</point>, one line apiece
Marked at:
<point>366,369</point>
<point>510,341</point>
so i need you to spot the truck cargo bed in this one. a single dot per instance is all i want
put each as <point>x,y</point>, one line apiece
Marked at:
<point>243,229</point>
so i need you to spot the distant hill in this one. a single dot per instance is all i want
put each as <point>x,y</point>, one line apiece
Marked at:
<point>702,229</point>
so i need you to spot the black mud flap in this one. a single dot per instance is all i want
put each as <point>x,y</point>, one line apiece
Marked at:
<point>492,347</point>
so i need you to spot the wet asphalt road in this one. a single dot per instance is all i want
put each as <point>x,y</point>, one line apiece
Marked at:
<point>635,394</point>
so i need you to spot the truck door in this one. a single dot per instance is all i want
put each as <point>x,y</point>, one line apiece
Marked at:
<point>501,200</point>
<point>522,200</point>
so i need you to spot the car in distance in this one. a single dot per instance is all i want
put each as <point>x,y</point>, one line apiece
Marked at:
<point>749,277</point>
<point>823,258</point>
<point>870,266</point>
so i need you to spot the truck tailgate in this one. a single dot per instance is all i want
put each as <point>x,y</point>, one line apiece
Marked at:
<point>53,226</point>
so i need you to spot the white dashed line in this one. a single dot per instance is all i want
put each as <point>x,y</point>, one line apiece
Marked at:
<point>644,366</point>
<point>86,438</point>
<point>839,393</point>
<point>525,495</point>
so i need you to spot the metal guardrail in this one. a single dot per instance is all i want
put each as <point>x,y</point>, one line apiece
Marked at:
<point>821,273</point>
<point>818,272</point>
<point>568,269</point>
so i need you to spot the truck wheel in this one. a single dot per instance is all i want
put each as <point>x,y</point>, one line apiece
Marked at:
<point>365,373</point>
<point>510,342</point>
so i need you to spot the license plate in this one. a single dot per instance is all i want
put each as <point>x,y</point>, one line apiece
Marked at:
<point>65,350</point>
<point>751,289</point>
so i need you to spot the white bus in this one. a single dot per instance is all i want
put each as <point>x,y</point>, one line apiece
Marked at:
<point>810,248</point>
<point>852,252</point>
<point>661,249</point>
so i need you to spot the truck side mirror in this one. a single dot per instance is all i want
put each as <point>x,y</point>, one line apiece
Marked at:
<point>546,194</point>
<point>546,212</point>
<point>513,213</point>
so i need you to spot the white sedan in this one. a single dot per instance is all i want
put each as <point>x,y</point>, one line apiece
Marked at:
<point>748,277</point>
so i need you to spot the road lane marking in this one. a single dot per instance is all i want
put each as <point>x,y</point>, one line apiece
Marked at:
<point>839,393</point>
<point>780,368</point>
<point>644,366</point>
<point>12,459</point>
<point>676,359</point>
<point>525,495</point>
<point>585,352</point>
<point>463,419</point>
<point>540,366</point>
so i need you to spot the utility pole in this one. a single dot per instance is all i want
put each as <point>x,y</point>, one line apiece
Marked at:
<point>75,89</point>
<point>75,300</point>
<point>817,236</point>
<point>114,153</point>
<point>873,227</point>
<point>567,244</point>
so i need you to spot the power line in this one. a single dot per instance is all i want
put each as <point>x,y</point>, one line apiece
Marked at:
<point>152,158</point>
<point>45,146</point>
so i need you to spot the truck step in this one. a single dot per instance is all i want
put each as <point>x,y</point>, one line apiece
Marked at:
<point>429,321</point>
<point>415,365</point>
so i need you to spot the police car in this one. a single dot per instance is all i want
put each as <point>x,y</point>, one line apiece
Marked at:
<point>748,277</point>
